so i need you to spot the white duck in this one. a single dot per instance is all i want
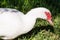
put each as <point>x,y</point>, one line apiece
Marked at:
<point>14,23</point>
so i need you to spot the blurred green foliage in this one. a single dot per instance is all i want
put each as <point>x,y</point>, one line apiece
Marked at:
<point>26,5</point>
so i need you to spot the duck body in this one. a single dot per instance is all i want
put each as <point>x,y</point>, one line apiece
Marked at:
<point>10,23</point>
<point>14,23</point>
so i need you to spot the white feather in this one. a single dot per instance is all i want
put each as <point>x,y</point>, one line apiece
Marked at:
<point>14,23</point>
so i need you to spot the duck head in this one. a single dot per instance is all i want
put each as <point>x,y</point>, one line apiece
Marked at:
<point>42,13</point>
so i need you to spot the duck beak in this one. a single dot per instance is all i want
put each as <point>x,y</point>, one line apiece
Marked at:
<point>51,23</point>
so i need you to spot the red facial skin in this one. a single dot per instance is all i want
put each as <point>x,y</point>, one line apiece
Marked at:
<point>49,18</point>
<point>48,15</point>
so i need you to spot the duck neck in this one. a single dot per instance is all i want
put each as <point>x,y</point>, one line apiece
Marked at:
<point>29,21</point>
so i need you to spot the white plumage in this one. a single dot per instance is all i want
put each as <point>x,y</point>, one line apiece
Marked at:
<point>14,23</point>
